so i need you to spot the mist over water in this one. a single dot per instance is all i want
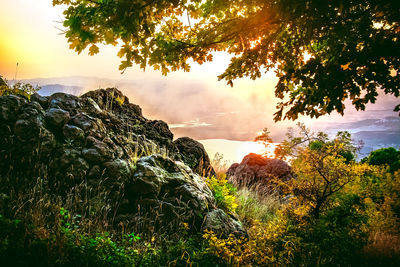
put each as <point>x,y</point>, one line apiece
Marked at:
<point>205,110</point>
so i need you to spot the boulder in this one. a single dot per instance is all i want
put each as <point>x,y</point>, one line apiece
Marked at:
<point>172,189</point>
<point>257,172</point>
<point>42,100</point>
<point>169,181</point>
<point>64,101</point>
<point>73,133</point>
<point>223,224</point>
<point>101,143</point>
<point>57,117</point>
<point>9,108</point>
<point>112,99</point>
<point>193,154</point>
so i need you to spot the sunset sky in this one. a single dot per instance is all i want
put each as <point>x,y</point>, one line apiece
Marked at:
<point>31,34</point>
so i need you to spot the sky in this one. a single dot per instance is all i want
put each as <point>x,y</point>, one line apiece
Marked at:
<point>194,104</point>
<point>32,36</point>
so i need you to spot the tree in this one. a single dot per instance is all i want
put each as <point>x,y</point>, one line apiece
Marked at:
<point>322,166</point>
<point>389,156</point>
<point>265,139</point>
<point>322,52</point>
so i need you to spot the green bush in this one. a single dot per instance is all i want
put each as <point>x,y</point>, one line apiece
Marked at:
<point>224,193</point>
<point>385,156</point>
<point>22,89</point>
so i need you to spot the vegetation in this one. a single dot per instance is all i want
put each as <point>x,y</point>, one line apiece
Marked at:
<point>336,212</point>
<point>224,193</point>
<point>323,53</point>
<point>38,228</point>
<point>22,89</point>
<point>385,156</point>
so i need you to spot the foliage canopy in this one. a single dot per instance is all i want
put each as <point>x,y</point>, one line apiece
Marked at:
<point>322,52</point>
<point>389,156</point>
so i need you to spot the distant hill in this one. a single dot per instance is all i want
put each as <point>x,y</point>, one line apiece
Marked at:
<point>47,90</point>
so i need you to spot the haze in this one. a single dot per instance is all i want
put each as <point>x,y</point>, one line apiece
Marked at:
<point>194,104</point>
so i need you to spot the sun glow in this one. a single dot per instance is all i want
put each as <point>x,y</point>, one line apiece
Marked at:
<point>257,148</point>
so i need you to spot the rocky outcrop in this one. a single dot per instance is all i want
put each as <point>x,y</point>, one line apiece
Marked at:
<point>257,172</point>
<point>193,154</point>
<point>168,189</point>
<point>102,140</point>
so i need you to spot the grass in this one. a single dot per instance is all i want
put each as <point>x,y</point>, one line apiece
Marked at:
<point>40,227</point>
<point>252,207</point>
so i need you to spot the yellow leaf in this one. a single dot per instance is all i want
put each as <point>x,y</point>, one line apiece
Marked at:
<point>93,50</point>
<point>121,52</point>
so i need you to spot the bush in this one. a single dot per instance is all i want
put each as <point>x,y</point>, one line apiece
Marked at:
<point>22,89</point>
<point>385,156</point>
<point>337,237</point>
<point>268,244</point>
<point>224,193</point>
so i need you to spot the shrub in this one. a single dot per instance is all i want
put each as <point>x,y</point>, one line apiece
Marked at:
<point>336,237</point>
<point>224,193</point>
<point>22,89</point>
<point>268,244</point>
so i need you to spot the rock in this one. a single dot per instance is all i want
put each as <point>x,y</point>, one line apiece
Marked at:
<point>102,143</point>
<point>91,106</point>
<point>223,224</point>
<point>73,133</point>
<point>29,122</point>
<point>68,169</point>
<point>170,181</point>
<point>193,154</point>
<point>255,172</point>
<point>57,117</point>
<point>93,156</point>
<point>25,130</point>
<point>116,169</point>
<point>66,102</point>
<point>32,110</point>
<point>42,100</point>
<point>112,99</point>
<point>9,107</point>
<point>83,121</point>
<point>162,185</point>
<point>95,172</point>
<point>159,131</point>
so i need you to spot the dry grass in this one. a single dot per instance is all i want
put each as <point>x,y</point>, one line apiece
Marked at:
<point>252,206</point>
<point>219,164</point>
<point>383,249</point>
